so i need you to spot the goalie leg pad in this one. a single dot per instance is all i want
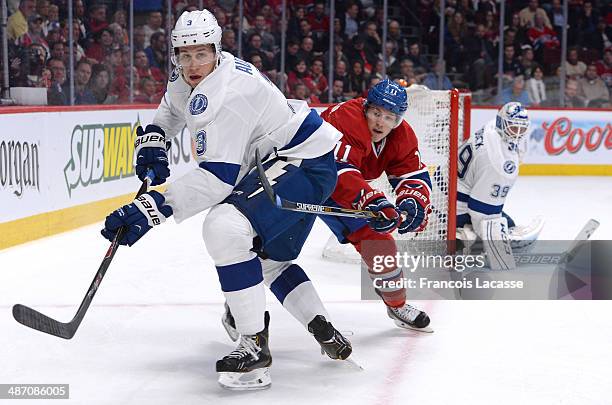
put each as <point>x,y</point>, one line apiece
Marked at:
<point>496,243</point>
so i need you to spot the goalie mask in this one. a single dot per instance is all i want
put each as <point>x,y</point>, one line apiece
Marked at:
<point>512,122</point>
<point>196,28</point>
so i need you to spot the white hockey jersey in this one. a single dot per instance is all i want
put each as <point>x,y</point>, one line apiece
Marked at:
<point>233,111</point>
<point>487,169</point>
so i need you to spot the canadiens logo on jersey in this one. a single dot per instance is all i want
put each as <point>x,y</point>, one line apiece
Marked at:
<point>198,104</point>
<point>200,142</point>
<point>509,166</point>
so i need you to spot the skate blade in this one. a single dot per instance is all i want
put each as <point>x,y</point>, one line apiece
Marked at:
<point>404,325</point>
<point>353,363</point>
<point>258,379</point>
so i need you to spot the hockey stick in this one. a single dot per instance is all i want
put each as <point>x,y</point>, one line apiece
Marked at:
<point>304,207</point>
<point>35,320</point>
<point>584,235</point>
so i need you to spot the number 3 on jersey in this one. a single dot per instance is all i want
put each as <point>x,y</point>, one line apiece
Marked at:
<point>341,150</point>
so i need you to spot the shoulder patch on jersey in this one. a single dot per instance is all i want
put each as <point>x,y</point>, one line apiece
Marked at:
<point>509,166</point>
<point>174,75</point>
<point>198,104</point>
<point>200,142</point>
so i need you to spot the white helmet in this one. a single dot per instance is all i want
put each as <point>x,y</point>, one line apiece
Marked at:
<point>196,28</point>
<point>512,122</point>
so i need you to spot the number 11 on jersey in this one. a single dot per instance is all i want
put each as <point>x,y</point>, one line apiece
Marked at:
<point>347,150</point>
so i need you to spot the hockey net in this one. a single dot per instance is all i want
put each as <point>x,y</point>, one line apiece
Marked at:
<point>441,121</point>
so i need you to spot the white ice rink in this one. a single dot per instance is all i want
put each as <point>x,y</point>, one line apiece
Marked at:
<point>152,334</point>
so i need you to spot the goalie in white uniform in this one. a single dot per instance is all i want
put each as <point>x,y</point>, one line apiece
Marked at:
<point>231,110</point>
<point>488,166</point>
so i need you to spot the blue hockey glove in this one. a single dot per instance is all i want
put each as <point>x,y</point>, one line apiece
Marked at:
<point>413,201</point>
<point>388,218</point>
<point>141,215</point>
<point>150,151</point>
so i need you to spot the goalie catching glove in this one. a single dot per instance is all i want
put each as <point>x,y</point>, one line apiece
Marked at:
<point>141,215</point>
<point>150,151</point>
<point>413,201</point>
<point>387,219</point>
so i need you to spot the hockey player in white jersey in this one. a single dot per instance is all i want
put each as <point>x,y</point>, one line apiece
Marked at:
<point>488,166</point>
<point>231,110</point>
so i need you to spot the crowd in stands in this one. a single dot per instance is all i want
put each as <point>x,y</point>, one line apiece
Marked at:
<point>39,53</point>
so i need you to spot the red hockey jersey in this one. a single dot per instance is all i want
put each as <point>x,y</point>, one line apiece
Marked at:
<point>359,160</point>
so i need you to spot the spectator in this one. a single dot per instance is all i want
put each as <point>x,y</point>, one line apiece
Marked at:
<point>42,9</point>
<point>572,99</point>
<point>291,58</point>
<point>536,88</point>
<point>319,23</point>
<point>557,17</point>
<point>261,28</point>
<point>457,29</point>
<point>419,62</point>
<point>58,93</point>
<point>53,18</point>
<point>407,71</point>
<point>82,94</point>
<point>574,68</point>
<point>542,36</point>
<point>358,53</point>
<point>153,25</point>
<point>301,92</point>
<point>491,25</point>
<point>294,24</point>
<point>350,20</point>
<point>601,39</point>
<point>306,50</point>
<point>35,34</point>
<point>392,63</point>
<point>515,93</point>
<point>17,24</point>
<point>372,41</point>
<point>511,66</point>
<point>358,80</point>
<point>102,47</point>
<point>139,38</point>
<point>27,67</point>
<point>480,56</point>
<point>394,34</point>
<point>340,73</point>
<point>586,23</point>
<point>318,79</point>
<point>97,19</point>
<point>527,15</point>
<point>147,92</point>
<point>79,17</point>
<point>228,42</point>
<point>339,53</point>
<point>337,93</point>
<point>298,74</point>
<point>432,79</point>
<point>527,60</point>
<point>141,62</point>
<point>156,52</point>
<point>59,51</point>
<point>374,80</point>
<point>604,67</point>
<point>99,85</point>
<point>592,88</point>
<point>254,46</point>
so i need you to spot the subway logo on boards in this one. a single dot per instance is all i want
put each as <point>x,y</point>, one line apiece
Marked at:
<point>100,152</point>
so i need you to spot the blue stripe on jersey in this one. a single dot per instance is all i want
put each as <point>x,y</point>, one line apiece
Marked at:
<point>311,123</point>
<point>236,277</point>
<point>419,176</point>
<point>226,172</point>
<point>484,208</point>
<point>287,281</point>
<point>462,197</point>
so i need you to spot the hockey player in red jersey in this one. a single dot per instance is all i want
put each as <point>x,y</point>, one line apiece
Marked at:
<point>375,140</point>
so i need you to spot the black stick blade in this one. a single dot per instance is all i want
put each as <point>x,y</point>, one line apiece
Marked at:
<point>35,320</point>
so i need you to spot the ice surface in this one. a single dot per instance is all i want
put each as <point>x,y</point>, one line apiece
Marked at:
<point>153,332</point>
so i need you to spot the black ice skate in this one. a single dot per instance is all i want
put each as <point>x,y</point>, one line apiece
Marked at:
<point>409,317</point>
<point>248,367</point>
<point>332,342</point>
